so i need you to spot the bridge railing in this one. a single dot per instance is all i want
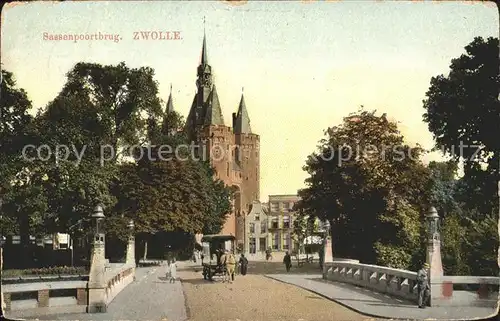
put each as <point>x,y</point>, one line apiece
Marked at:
<point>33,296</point>
<point>117,278</point>
<point>399,283</point>
<point>59,293</point>
<point>403,283</point>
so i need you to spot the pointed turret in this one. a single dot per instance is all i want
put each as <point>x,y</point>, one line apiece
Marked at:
<point>213,115</point>
<point>170,103</point>
<point>241,121</point>
<point>204,56</point>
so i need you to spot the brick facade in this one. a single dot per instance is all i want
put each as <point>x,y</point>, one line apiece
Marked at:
<point>234,151</point>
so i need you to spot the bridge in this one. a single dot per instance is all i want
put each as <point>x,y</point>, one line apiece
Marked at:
<point>123,291</point>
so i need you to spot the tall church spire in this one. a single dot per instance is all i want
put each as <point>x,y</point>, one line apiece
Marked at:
<point>170,103</point>
<point>204,58</point>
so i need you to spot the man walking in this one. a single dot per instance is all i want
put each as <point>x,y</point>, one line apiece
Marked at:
<point>243,264</point>
<point>423,287</point>
<point>288,261</point>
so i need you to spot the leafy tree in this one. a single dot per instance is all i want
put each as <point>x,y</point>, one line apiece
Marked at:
<point>367,182</point>
<point>444,186</point>
<point>14,123</point>
<point>18,197</point>
<point>468,243</point>
<point>462,113</point>
<point>123,99</point>
<point>170,194</point>
<point>98,106</point>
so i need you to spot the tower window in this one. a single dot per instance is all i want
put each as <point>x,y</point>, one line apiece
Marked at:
<point>237,155</point>
<point>227,169</point>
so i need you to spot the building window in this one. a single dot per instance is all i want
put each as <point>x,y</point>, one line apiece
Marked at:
<point>237,155</point>
<point>262,244</point>
<point>276,241</point>
<point>274,223</point>
<point>274,207</point>
<point>286,242</point>
<point>290,206</point>
<point>286,221</point>
<point>263,227</point>
<point>227,169</point>
<point>257,217</point>
<point>252,227</point>
<point>253,246</point>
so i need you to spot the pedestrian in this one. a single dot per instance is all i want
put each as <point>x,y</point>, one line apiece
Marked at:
<point>230,263</point>
<point>173,271</point>
<point>269,255</point>
<point>288,261</point>
<point>243,264</point>
<point>423,287</point>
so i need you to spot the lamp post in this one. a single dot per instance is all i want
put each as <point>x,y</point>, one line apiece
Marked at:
<point>433,257</point>
<point>71,236</point>
<point>432,220</point>
<point>97,221</point>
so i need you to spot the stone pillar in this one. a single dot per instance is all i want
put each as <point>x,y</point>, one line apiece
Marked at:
<point>433,256</point>
<point>97,280</point>
<point>328,250</point>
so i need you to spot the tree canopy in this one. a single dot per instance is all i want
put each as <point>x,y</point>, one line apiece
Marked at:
<point>462,112</point>
<point>365,164</point>
<point>113,106</point>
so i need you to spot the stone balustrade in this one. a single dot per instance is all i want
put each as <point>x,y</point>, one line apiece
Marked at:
<point>117,279</point>
<point>42,294</point>
<point>399,283</point>
<point>34,296</point>
<point>403,283</point>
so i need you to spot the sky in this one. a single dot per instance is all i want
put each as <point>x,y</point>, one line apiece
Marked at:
<point>303,65</point>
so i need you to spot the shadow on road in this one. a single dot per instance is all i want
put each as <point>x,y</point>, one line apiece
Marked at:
<point>200,281</point>
<point>275,267</point>
<point>377,297</point>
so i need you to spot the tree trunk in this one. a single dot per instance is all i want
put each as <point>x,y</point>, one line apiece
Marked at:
<point>145,250</point>
<point>24,231</point>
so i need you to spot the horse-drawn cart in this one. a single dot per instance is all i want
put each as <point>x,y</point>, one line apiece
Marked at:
<point>213,248</point>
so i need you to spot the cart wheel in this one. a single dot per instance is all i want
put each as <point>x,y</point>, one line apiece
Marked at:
<point>210,274</point>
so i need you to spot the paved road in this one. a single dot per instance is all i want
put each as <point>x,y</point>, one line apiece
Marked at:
<point>257,298</point>
<point>380,305</point>
<point>150,297</point>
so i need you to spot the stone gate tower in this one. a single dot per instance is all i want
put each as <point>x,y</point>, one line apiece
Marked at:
<point>234,151</point>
